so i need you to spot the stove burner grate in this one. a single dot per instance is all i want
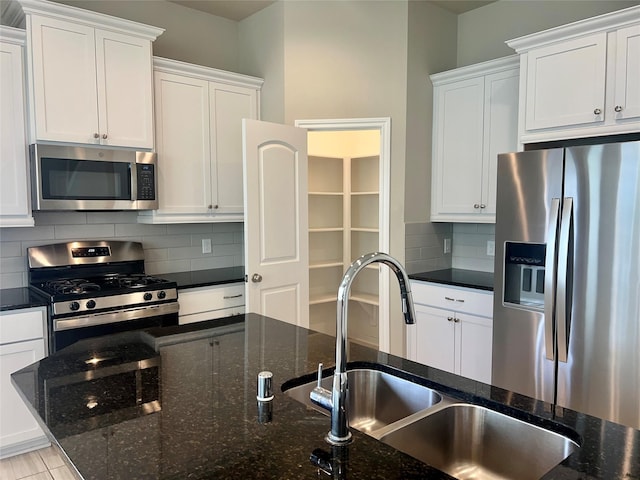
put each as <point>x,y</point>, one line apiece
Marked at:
<point>72,286</point>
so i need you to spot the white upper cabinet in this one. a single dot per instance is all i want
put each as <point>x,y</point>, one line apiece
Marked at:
<point>198,118</point>
<point>15,209</point>
<point>581,79</point>
<point>90,77</point>
<point>475,117</point>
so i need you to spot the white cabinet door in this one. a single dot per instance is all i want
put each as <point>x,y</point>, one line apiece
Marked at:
<point>475,118</point>
<point>125,93</point>
<point>63,57</point>
<point>228,106</point>
<point>15,208</point>
<point>627,86</point>
<point>435,335</point>
<point>182,134</point>
<point>18,428</point>
<point>500,130</point>
<point>198,116</point>
<point>474,341</point>
<point>566,83</point>
<point>458,140</point>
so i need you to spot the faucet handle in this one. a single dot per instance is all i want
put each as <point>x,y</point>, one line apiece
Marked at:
<point>320,375</point>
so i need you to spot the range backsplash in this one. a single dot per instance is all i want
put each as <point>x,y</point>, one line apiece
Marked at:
<point>168,248</point>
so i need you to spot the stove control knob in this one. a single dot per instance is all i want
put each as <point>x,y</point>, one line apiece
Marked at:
<point>91,304</point>
<point>147,296</point>
<point>74,306</point>
<point>162,294</point>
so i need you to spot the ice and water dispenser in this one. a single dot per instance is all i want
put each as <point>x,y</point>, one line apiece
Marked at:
<point>524,274</point>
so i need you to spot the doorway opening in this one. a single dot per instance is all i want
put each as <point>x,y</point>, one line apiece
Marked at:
<point>348,188</point>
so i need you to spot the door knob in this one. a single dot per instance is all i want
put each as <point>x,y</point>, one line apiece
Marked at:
<point>256,278</point>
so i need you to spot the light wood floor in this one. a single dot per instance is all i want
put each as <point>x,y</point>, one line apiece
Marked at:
<point>44,464</point>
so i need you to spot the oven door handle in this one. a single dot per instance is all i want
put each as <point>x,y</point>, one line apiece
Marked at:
<point>60,324</point>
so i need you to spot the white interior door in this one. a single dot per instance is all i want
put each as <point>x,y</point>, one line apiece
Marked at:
<point>276,221</point>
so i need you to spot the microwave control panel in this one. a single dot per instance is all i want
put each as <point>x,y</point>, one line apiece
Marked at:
<point>146,181</point>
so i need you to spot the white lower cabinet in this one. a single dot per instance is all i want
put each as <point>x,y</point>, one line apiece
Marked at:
<point>453,330</point>
<point>22,342</point>
<point>211,302</point>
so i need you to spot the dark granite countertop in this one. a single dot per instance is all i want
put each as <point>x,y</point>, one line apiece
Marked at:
<point>180,402</point>
<point>18,298</point>
<point>457,277</point>
<point>203,278</point>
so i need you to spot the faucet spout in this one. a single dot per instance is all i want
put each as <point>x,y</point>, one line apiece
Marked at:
<point>340,434</point>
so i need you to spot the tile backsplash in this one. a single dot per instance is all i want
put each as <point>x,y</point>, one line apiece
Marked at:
<point>424,246</point>
<point>470,246</point>
<point>168,248</point>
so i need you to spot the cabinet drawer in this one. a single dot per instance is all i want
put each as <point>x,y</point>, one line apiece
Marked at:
<point>22,325</point>
<point>458,299</point>
<point>210,315</point>
<point>204,299</point>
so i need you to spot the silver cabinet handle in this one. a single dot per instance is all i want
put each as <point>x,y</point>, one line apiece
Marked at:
<point>597,111</point>
<point>96,135</point>
<point>227,297</point>
<point>256,278</point>
<point>449,319</point>
<point>476,205</point>
<point>104,136</point>
<point>456,320</point>
<point>618,108</point>
<point>461,300</point>
<point>450,299</point>
<point>215,206</point>
<point>482,205</point>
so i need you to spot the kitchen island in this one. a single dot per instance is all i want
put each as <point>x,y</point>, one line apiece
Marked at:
<point>180,402</point>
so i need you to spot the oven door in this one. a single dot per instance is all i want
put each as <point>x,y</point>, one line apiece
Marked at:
<point>65,331</point>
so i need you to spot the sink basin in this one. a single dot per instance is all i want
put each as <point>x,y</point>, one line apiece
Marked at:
<point>470,442</point>
<point>376,399</point>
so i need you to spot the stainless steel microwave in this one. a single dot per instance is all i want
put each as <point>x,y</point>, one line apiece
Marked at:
<point>86,178</point>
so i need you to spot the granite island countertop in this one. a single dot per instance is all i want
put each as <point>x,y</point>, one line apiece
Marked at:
<point>180,402</point>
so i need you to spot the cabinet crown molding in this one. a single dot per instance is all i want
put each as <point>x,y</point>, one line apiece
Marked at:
<point>607,21</point>
<point>167,65</point>
<point>12,35</point>
<point>476,70</point>
<point>93,19</point>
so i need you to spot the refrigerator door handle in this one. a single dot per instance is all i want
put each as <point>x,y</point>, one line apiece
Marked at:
<point>563,308</point>
<point>550,279</point>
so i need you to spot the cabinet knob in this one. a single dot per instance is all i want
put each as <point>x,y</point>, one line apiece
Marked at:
<point>215,206</point>
<point>476,205</point>
<point>450,319</point>
<point>597,111</point>
<point>482,205</point>
<point>618,108</point>
<point>104,136</point>
<point>456,320</point>
<point>96,135</point>
<point>209,207</point>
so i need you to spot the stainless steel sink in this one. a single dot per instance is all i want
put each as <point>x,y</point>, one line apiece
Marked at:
<point>472,442</point>
<point>375,399</point>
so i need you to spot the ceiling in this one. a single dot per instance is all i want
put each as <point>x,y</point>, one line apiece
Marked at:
<point>239,9</point>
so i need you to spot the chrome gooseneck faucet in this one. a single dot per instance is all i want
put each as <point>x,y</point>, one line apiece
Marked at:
<point>336,399</point>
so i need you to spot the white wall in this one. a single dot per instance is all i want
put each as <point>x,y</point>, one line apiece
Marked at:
<point>261,54</point>
<point>483,31</point>
<point>190,35</point>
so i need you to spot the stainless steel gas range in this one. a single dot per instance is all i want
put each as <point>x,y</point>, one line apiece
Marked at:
<point>99,287</point>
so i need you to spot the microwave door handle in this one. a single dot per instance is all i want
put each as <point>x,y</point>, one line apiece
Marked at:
<point>563,308</point>
<point>550,279</point>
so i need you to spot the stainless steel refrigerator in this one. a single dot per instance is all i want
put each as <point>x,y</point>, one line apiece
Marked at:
<point>567,278</point>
